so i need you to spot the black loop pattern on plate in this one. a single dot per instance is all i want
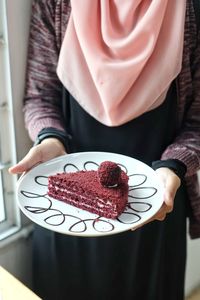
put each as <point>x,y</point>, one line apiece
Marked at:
<point>98,224</point>
<point>70,165</point>
<point>38,178</point>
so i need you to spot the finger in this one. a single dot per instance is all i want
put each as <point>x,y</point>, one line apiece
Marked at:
<point>148,221</point>
<point>161,214</point>
<point>160,217</point>
<point>32,158</point>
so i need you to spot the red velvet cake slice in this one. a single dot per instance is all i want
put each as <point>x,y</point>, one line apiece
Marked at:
<point>103,192</point>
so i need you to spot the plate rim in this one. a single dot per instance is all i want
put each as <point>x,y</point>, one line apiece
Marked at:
<point>81,234</point>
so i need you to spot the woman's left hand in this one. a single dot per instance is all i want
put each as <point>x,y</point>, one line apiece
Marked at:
<point>171,183</point>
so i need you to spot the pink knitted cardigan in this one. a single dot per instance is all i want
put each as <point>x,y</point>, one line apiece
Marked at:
<point>43,91</point>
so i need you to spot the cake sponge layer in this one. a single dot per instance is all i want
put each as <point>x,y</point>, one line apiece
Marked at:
<point>83,189</point>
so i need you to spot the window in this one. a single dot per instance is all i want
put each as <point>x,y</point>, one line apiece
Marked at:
<point>9,213</point>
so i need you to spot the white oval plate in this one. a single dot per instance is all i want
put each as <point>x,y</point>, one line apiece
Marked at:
<point>145,196</point>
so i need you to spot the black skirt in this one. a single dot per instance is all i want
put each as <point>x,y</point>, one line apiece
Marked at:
<point>147,264</point>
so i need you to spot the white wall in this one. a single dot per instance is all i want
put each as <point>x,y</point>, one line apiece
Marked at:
<point>16,256</point>
<point>193,265</point>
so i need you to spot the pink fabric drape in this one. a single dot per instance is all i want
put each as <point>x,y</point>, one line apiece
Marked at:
<point>119,57</point>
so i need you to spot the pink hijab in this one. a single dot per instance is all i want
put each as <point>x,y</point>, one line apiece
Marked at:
<point>119,57</point>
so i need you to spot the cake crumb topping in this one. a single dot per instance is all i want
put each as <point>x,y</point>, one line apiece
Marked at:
<point>109,174</point>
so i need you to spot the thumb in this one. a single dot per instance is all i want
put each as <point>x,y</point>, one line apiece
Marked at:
<point>32,158</point>
<point>171,186</point>
<point>171,182</point>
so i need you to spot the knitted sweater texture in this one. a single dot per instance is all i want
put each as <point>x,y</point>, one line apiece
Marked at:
<point>43,93</point>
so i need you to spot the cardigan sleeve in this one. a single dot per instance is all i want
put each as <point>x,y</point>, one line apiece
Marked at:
<point>186,146</point>
<point>43,90</point>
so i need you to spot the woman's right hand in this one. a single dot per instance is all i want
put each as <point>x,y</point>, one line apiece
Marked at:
<point>48,149</point>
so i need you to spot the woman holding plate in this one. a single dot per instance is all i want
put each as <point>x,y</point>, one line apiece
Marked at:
<point>122,77</point>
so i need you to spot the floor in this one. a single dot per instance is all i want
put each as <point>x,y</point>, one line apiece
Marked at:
<point>195,295</point>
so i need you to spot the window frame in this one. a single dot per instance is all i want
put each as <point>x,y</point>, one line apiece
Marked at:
<point>11,222</point>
